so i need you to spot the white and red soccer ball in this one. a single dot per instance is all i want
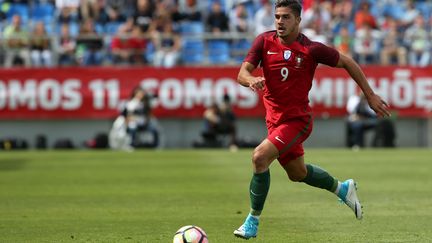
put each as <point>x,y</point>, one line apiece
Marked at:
<point>190,234</point>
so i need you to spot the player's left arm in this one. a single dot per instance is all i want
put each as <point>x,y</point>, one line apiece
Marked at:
<point>354,70</point>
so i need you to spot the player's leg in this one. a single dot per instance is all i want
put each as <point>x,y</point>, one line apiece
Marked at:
<point>280,140</point>
<point>310,174</point>
<point>262,157</point>
<point>315,176</point>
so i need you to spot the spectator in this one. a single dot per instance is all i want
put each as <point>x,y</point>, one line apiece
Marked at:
<point>314,32</point>
<point>361,118</point>
<point>66,16</point>
<point>417,39</point>
<point>343,9</point>
<point>102,16</point>
<point>90,9</point>
<point>124,7</point>
<point>113,15</point>
<point>66,47</point>
<point>341,17</point>
<point>387,22</point>
<point>143,15</point>
<point>68,10</point>
<point>264,19</point>
<point>128,47</point>
<point>410,14</point>
<point>366,44</point>
<point>139,118</point>
<point>220,120</point>
<point>167,42</point>
<point>3,15</point>
<point>364,17</point>
<point>217,20</point>
<point>317,17</point>
<point>392,48</point>
<point>240,19</point>
<point>343,41</point>
<point>190,10</point>
<point>16,41</point>
<point>89,45</point>
<point>40,47</point>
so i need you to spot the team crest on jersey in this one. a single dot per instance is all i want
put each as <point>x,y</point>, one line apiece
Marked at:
<point>287,54</point>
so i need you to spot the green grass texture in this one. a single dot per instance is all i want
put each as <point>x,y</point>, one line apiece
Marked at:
<point>145,196</point>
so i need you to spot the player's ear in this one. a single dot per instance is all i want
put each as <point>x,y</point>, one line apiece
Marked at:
<point>298,20</point>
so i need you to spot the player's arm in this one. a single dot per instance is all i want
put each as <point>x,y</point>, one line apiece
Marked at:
<point>375,102</point>
<point>246,78</point>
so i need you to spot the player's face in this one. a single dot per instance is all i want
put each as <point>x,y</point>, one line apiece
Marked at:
<point>286,22</point>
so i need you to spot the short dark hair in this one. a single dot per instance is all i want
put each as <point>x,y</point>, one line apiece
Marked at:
<point>294,5</point>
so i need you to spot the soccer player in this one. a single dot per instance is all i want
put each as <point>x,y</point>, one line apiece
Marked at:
<point>288,60</point>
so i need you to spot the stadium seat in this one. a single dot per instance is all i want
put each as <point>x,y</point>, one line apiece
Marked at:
<point>149,52</point>
<point>74,28</point>
<point>20,9</point>
<point>99,28</point>
<point>112,27</point>
<point>222,4</point>
<point>191,27</point>
<point>239,49</point>
<point>193,51</point>
<point>42,12</point>
<point>425,8</point>
<point>218,51</point>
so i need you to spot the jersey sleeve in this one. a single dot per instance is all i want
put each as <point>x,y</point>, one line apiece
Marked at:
<point>254,55</point>
<point>325,54</point>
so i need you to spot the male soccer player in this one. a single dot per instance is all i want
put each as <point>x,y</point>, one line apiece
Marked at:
<point>288,59</point>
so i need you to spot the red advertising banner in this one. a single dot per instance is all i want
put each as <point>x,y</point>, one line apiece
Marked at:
<point>97,93</point>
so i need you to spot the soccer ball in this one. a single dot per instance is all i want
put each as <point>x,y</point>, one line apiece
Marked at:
<point>190,234</point>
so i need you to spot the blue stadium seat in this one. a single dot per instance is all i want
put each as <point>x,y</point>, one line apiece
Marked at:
<point>43,12</point>
<point>239,49</point>
<point>74,28</point>
<point>20,9</point>
<point>425,8</point>
<point>149,52</point>
<point>218,51</point>
<point>112,27</point>
<point>99,28</point>
<point>222,4</point>
<point>192,51</point>
<point>191,27</point>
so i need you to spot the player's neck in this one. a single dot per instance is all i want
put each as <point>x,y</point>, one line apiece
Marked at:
<point>289,39</point>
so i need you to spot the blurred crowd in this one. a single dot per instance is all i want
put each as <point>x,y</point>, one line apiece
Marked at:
<point>166,33</point>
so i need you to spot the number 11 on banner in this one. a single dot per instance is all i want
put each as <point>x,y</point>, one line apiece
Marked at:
<point>105,93</point>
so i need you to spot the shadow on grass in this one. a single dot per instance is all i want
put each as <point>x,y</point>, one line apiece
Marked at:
<point>12,164</point>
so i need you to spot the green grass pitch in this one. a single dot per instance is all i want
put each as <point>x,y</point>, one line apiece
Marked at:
<point>145,196</point>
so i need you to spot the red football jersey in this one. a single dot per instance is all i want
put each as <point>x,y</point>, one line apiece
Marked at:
<point>288,71</point>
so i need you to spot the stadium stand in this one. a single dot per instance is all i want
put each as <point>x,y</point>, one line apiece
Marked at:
<point>199,47</point>
<point>193,52</point>
<point>219,51</point>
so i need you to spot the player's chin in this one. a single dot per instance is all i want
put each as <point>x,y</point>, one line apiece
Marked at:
<point>282,33</point>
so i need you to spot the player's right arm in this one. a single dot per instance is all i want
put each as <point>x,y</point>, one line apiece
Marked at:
<point>252,60</point>
<point>246,78</point>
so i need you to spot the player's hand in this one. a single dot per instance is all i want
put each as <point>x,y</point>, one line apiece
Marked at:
<point>378,105</point>
<point>257,83</point>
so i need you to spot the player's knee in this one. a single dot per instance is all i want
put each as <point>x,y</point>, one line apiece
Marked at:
<point>297,175</point>
<point>260,160</point>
